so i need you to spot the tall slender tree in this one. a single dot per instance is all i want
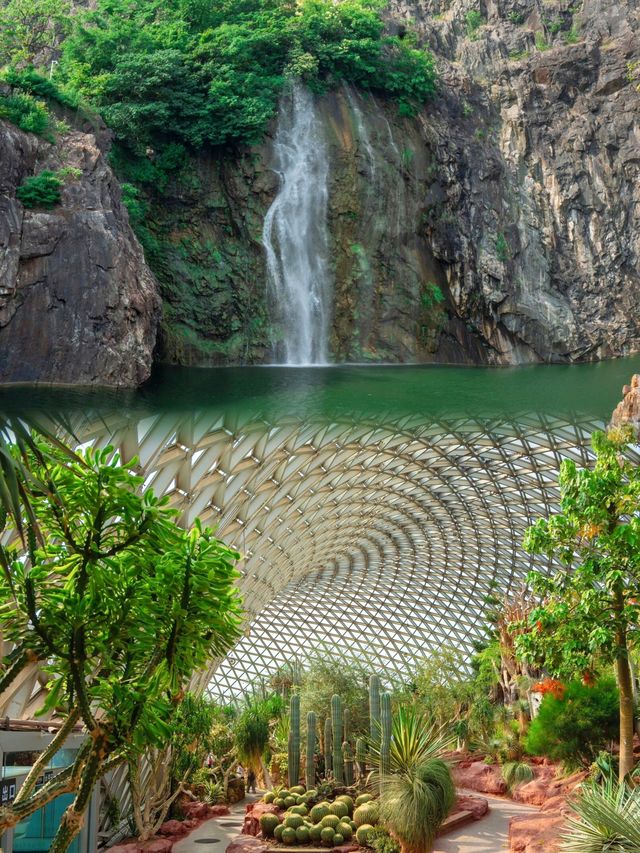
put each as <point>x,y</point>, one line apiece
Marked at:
<point>590,593</point>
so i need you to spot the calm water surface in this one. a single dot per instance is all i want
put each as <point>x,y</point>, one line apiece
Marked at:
<point>561,391</point>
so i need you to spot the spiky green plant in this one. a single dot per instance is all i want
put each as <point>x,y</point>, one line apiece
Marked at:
<point>293,752</point>
<point>414,740</point>
<point>252,736</point>
<point>361,756</point>
<point>516,772</point>
<point>336,726</point>
<point>607,820</point>
<point>414,803</point>
<point>374,708</point>
<point>385,733</point>
<point>310,771</point>
<point>347,758</point>
<point>327,747</point>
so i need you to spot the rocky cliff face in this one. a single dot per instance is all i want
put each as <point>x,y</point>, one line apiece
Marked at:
<point>78,303</point>
<point>501,225</point>
<point>516,192</point>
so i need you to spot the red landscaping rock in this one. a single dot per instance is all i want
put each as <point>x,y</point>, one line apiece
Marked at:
<point>347,848</point>
<point>478,776</point>
<point>176,828</point>
<point>156,845</point>
<point>246,844</point>
<point>253,814</point>
<point>546,786</point>
<point>218,811</point>
<point>126,847</point>
<point>478,806</point>
<point>536,833</point>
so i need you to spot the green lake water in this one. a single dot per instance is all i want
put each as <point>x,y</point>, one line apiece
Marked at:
<point>560,391</point>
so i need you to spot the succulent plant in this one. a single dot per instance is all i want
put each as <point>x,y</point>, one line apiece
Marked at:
<point>361,757</point>
<point>374,709</point>
<point>289,801</point>
<point>302,835</point>
<point>339,808</point>
<point>336,726</point>
<point>345,798</point>
<point>345,830</point>
<point>327,747</point>
<point>385,728</point>
<point>327,835</point>
<point>289,836</point>
<point>347,762</point>
<point>298,790</point>
<point>338,839</point>
<point>294,821</point>
<point>310,770</point>
<point>363,798</point>
<point>277,832</point>
<point>268,823</point>
<point>363,834</point>
<point>315,833</point>
<point>269,797</point>
<point>346,724</point>
<point>318,812</point>
<point>293,752</point>
<point>367,813</point>
<point>331,820</point>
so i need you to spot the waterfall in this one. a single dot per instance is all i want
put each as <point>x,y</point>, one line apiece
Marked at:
<point>295,235</point>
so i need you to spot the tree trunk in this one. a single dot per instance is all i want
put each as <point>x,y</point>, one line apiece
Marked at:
<point>625,686</point>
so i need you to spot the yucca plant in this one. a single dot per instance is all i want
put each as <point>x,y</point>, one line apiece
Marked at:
<point>414,740</point>
<point>414,803</point>
<point>607,820</point>
<point>417,792</point>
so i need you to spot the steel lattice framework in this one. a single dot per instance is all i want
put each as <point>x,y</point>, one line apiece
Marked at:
<point>375,540</point>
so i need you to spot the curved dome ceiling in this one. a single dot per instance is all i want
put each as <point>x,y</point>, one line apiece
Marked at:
<point>375,541</point>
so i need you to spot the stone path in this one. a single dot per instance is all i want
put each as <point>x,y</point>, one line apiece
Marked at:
<point>489,835</point>
<point>223,829</point>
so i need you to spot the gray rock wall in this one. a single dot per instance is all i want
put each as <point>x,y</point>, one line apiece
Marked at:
<point>78,303</point>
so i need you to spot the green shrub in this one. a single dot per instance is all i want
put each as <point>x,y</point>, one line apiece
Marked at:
<point>502,248</point>
<point>541,42</point>
<point>515,773</point>
<point>25,112</point>
<point>572,36</point>
<point>473,21</point>
<point>41,190</point>
<point>33,83</point>
<point>574,728</point>
<point>212,75</point>
<point>606,818</point>
<point>381,841</point>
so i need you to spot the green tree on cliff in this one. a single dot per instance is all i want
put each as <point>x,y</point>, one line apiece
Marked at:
<point>590,608</point>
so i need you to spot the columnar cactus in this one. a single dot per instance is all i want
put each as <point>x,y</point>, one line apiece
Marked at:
<point>293,752</point>
<point>336,726</point>
<point>347,758</point>
<point>385,728</point>
<point>374,709</point>
<point>310,770</point>
<point>347,725</point>
<point>361,757</point>
<point>327,747</point>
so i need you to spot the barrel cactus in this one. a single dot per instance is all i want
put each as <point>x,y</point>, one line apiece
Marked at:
<point>331,820</point>
<point>268,823</point>
<point>289,836</point>
<point>277,832</point>
<point>367,813</point>
<point>345,798</point>
<point>345,830</point>
<point>302,835</point>
<point>294,821</point>
<point>327,747</point>
<point>293,752</point>
<point>318,812</point>
<point>336,726</point>
<point>363,798</point>
<point>363,834</point>
<point>339,808</point>
<point>327,835</point>
<point>315,833</point>
<point>309,770</point>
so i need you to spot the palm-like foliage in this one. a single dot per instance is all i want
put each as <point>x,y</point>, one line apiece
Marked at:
<point>252,735</point>
<point>607,820</point>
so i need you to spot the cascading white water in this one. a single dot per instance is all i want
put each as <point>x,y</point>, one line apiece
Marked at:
<point>295,235</point>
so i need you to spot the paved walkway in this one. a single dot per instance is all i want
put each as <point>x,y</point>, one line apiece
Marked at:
<point>489,835</point>
<point>223,829</point>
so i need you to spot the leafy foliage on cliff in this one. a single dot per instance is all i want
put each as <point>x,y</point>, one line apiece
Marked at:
<point>210,74</point>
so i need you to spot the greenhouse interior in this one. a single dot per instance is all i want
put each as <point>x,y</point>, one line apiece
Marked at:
<point>319,426</point>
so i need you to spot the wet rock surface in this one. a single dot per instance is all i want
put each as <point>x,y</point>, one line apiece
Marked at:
<point>78,303</point>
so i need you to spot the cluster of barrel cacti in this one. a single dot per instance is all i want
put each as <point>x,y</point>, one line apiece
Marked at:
<point>326,823</point>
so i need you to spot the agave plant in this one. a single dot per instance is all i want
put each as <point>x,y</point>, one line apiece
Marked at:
<point>607,820</point>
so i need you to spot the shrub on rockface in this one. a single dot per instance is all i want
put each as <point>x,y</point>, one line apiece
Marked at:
<point>41,190</point>
<point>574,726</point>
